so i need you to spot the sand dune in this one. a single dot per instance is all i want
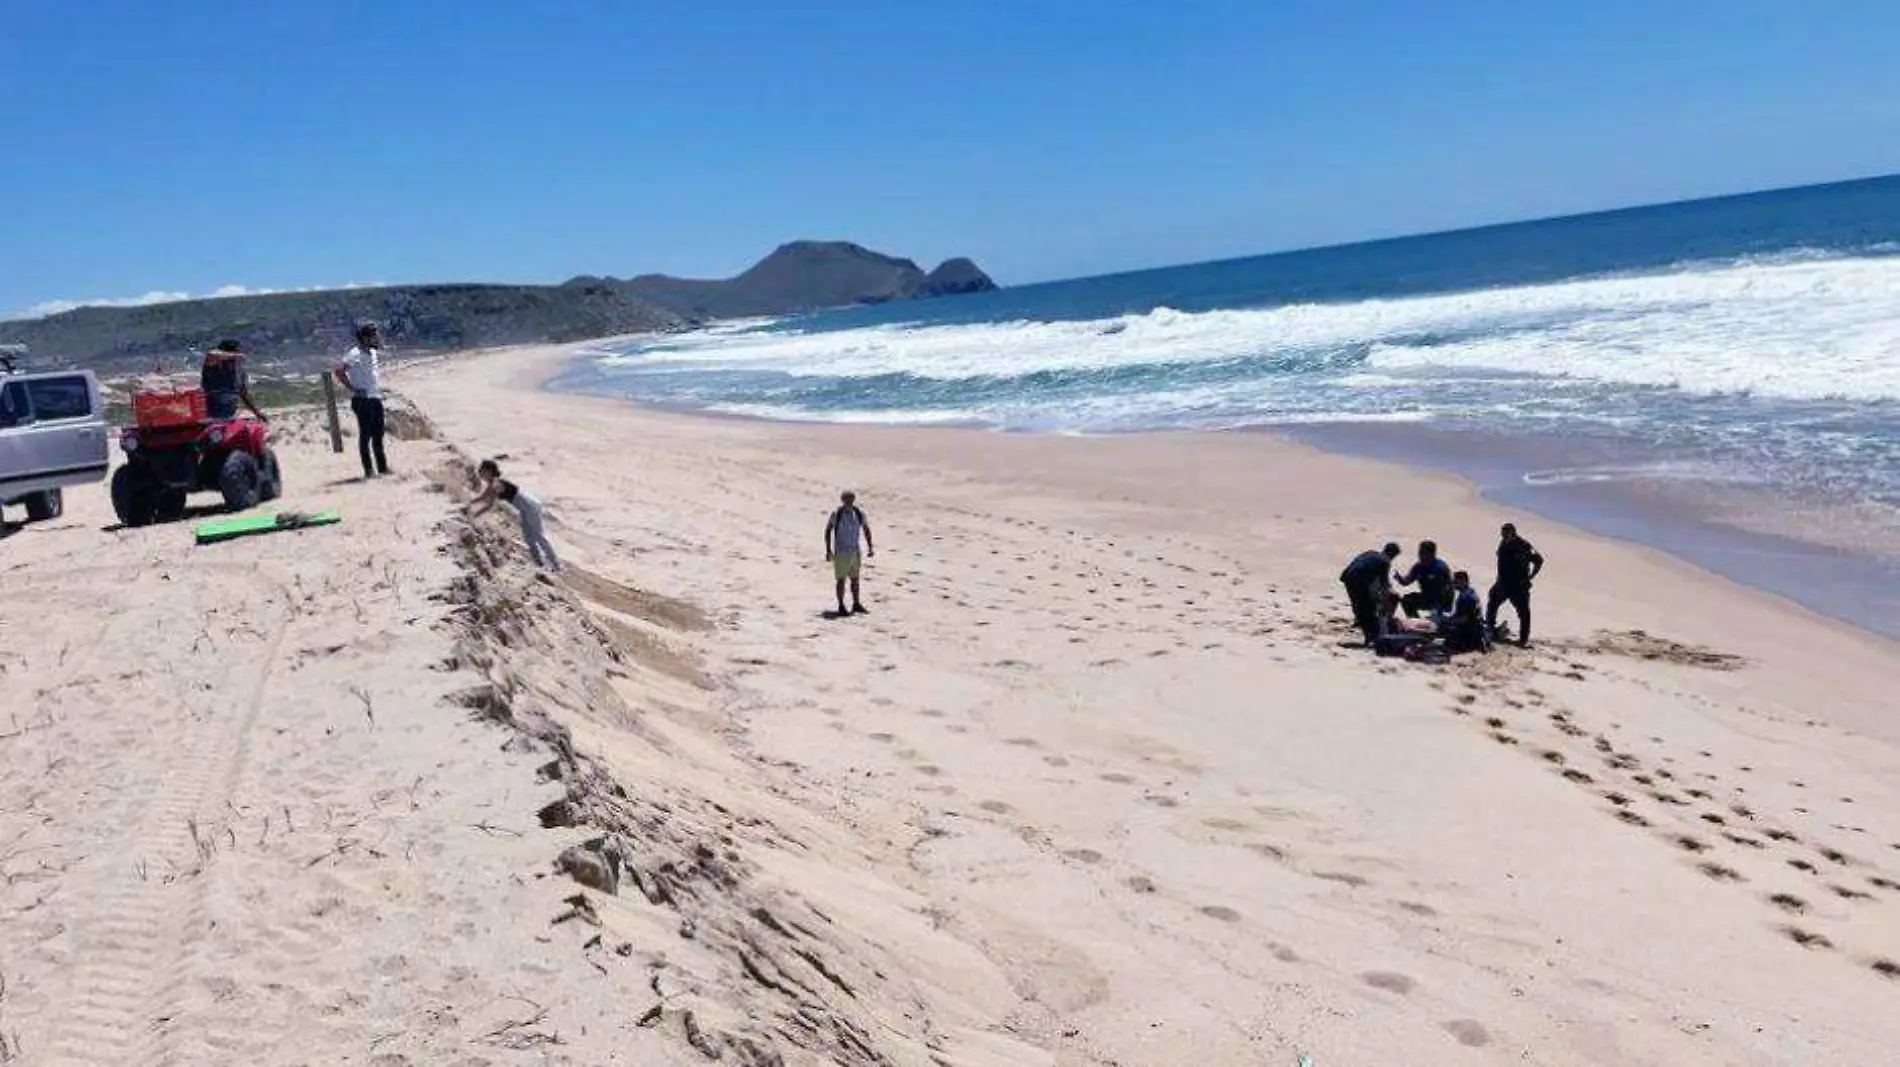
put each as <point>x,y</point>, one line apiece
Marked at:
<point>1093,784</point>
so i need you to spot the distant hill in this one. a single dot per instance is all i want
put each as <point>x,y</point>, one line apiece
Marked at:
<point>802,276</point>
<point>294,331</point>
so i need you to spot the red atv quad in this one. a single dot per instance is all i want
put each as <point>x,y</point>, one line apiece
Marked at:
<point>174,451</point>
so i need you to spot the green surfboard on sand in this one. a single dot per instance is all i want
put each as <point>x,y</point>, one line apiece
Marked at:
<point>248,525</point>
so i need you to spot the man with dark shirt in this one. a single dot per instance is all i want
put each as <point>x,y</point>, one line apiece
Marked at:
<point>1518,566</point>
<point>1367,579</point>
<point>1464,627</point>
<point>1433,576</point>
<point>225,382</point>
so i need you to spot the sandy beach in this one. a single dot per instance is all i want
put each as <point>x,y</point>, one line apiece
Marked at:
<point>1093,784</point>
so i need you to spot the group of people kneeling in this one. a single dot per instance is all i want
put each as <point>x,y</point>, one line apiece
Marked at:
<point>1443,612</point>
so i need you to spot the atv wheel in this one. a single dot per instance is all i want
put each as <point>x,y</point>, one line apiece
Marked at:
<point>272,485</point>
<point>43,506</point>
<point>134,495</point>
<point>169,504</point>
<point>240,481</point>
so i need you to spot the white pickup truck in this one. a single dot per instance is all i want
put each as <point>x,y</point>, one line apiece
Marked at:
<point>53,434</point>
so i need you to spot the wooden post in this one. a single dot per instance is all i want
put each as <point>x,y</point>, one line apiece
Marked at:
<point>329,402</point>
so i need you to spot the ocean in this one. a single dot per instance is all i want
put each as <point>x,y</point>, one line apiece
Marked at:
<point>1718,378</point>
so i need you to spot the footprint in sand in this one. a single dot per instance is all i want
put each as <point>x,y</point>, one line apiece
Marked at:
<point>885,738</point>
<point>1389,981</point>
<point>1119,778</point>
<point>996,807</point>
<point>1226,915</point>
<point>1234,825</point>
<point>1468,1032</point>
<point>1084,855</point>
<point>1024,742</point>
<point>1160,800</point>
<point>1719,872</point>
<point>1806,938</point>
<point>930,770</point>
<point>1342,878</point>
<point>1284,953</point>
<point>1141,884</point>
<point>1423,910</point>
<point>1056,761</point>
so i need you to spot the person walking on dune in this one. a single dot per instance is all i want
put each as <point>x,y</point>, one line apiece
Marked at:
<point>360,371</point>
<point>842,532</point>
<point>1519,564</point>
<point>1368,582</point>
<point>526,505</point>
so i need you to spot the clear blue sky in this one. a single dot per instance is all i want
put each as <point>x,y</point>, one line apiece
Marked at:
<point>184,145</point>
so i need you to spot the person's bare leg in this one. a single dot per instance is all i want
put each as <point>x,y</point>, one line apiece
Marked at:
<point>857,600</point>
<point>841,607</point>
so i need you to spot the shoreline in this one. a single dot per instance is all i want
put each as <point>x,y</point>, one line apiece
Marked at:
<point>1826,581</point>
<point>1099,723</point>
<point>1094,783</point>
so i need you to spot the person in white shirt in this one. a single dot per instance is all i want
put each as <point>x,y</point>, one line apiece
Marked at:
<point>359,372</point>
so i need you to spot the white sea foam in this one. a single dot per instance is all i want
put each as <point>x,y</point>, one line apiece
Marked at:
<point>900,417</point>
<point>1787,327</point>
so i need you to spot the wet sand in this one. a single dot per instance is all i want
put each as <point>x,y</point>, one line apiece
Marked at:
<point>1839,561</point>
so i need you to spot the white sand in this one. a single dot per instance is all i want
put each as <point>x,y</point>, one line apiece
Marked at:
<point>1094,784</point>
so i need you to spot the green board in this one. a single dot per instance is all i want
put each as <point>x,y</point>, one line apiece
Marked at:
<point>247,525</point>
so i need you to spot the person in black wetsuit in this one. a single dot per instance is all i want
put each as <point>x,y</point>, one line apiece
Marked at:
<point>1464,628</point>
<point>1367,580</point>
<point>1518,566</point>
<point>226,383</point>
<point>1433,576</point>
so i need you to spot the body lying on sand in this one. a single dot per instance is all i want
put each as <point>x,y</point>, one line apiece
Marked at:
<point>1444,596</point>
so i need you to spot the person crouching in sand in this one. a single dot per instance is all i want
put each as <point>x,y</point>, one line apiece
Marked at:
<point>526,505</point>
<point>841,550</point>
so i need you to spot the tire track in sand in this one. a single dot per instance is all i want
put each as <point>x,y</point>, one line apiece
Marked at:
<point>133,942</point>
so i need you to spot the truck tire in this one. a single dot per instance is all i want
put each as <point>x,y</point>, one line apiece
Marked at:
<point>43,506</point>
<point>240,481</point>
<point>133,496</point>
<point>272,485</point>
